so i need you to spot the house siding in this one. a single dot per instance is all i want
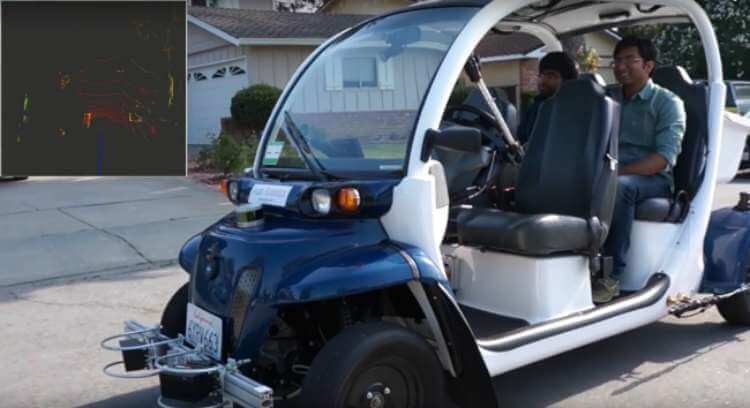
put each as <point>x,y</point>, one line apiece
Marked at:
<point>604,45</point>
<point>412,72</point>
<point>503,74</point>
<point>255,4</point>
<point>368,7</point>
<point>275,65</point>
<point>214,55</point>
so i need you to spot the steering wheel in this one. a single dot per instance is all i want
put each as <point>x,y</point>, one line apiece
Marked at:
<point>471,116</point>
<point>480,119</point>
<point>486,121</point>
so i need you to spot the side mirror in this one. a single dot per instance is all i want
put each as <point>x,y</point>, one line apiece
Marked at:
<point>459,138</point>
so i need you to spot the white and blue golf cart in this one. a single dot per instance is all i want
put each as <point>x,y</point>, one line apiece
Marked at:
<point>379,257</point>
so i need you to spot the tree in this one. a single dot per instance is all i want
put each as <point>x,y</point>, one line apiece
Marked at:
<point>680,44</point>
<point>587,59</point>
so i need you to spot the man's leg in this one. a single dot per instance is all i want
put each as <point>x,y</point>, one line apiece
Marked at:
<point>631,190</point>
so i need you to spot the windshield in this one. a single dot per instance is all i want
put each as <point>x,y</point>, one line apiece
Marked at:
<point>355,107</point>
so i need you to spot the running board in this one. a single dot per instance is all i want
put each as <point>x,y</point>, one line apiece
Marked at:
<point>655,289</point>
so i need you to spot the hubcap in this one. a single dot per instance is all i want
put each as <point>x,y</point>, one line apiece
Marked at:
<point>389,384</point>
<point>376,395</point>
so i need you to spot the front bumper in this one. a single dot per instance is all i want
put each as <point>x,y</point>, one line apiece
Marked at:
<point>189,378</point>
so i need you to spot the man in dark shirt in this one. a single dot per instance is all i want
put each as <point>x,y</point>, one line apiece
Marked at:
<point>554,69</point>
<point>652,124</point>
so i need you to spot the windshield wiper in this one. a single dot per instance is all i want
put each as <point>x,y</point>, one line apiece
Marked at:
<point>299,142</point>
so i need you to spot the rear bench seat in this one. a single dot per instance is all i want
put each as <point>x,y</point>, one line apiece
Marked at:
<point>691,163</point>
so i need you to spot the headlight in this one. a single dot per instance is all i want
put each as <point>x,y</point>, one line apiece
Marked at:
<point>233,190</point>
<point>321,201</point>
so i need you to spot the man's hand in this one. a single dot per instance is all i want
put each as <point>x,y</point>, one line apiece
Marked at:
<point>649,166</point>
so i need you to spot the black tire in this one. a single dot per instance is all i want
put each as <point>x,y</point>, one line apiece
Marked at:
<point>174,318</point>
<point>372,357</point>
<point>736,309</point>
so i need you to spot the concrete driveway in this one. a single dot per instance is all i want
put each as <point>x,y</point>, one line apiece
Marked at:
<point>52,228</point>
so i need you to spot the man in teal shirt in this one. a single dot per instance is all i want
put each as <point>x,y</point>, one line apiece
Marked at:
<point>652,124</point>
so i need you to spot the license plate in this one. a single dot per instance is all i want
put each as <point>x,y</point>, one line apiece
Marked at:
<point>204,330</point>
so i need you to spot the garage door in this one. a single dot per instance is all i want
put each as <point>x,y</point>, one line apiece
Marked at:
<point>210,91</point>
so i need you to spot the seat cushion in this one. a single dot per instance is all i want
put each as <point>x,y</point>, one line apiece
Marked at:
<point>451,231</point>
<point>524,234</point>
<point>659,210</point>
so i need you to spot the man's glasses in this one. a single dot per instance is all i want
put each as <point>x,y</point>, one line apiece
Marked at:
<point>625,61</point>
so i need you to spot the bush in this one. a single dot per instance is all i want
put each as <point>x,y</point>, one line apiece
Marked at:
<point>252,106</point>
<point>227,155</point>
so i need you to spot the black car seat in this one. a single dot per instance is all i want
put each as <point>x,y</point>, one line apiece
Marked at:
<point>463,169</point>
<point>567,182</point>
<point>691,163</point>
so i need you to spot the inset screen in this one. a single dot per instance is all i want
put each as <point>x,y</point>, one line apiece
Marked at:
<point>93,88</point>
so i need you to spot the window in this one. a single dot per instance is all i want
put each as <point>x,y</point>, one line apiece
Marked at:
<point>235,70</point>
<point>363,128</point>
<point>360,72</point>
<point>199,77</point>
<point>219,73</point>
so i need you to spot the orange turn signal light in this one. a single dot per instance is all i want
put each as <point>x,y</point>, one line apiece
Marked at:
<point>224,188</point>
<point>348,199</point>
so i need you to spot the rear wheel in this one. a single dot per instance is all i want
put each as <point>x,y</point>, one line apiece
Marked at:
<point>374,365</point>
<point>174,318</point>
<point>736,309</point>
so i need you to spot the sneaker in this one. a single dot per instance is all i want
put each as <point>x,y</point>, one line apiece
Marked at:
<point>604,290</point>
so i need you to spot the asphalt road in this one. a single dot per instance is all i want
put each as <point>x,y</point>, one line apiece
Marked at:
<point>57,309</point>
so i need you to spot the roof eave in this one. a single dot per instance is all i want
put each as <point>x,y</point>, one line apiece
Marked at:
<point>260,41</point>
<point>213,30</point>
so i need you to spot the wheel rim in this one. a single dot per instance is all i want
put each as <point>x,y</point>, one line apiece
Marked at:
<point>385,385</point>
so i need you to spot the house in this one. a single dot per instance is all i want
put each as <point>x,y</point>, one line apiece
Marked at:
<point>231,48</point>
<point>245,42</point>
<point>502,68</point>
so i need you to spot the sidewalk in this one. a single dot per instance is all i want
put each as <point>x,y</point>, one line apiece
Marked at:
<point>71,226</point>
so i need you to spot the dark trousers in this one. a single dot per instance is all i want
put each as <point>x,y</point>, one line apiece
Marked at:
<point>631,190</point>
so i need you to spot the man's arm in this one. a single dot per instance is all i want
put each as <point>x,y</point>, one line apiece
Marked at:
<point>648,166</point>
<point>670,128</point>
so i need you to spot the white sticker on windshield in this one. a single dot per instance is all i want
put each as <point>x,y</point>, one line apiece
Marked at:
<point>269,194</point>
<point>273,152</point>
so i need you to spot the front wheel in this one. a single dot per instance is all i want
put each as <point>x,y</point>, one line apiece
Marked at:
<point>375,365</point>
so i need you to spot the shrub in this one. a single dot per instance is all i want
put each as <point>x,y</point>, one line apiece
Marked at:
<point>227,155</point>
<point>252,106</point>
